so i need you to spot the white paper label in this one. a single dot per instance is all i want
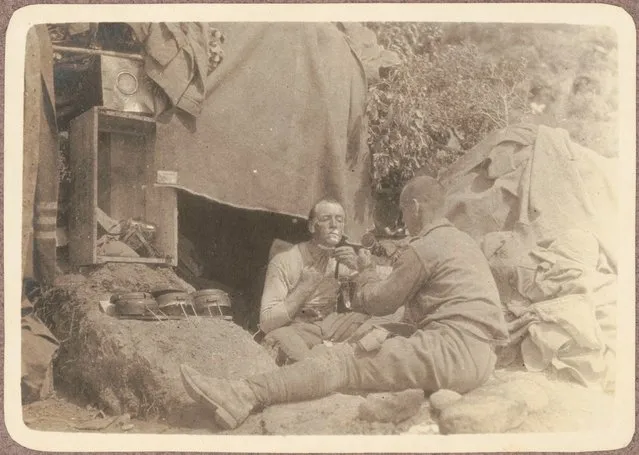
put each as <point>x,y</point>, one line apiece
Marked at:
<point>167,177</point>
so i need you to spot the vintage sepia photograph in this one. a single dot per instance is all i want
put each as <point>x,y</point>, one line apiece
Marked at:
<point>414,223</point>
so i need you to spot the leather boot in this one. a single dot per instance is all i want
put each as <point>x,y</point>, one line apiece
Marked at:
<point>231,401</point>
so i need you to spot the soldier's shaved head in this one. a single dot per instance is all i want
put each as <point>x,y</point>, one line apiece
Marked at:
<point>421,201</point>
<point>423,189</point>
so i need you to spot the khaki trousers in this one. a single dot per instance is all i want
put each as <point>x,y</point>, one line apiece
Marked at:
<point>295,341</point>
<point>433,358</point>
<point>437,357</point>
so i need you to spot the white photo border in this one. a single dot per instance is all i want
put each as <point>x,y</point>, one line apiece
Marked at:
<point>623,420</point>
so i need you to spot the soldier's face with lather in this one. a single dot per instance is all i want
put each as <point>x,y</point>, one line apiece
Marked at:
<point>327,226</point>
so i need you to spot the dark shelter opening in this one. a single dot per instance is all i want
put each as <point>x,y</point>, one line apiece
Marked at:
<point>233,245</point>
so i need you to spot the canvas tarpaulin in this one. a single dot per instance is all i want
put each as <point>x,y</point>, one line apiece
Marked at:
<point>537,181</point>
<point>545,211</point>
<point>281,124</point>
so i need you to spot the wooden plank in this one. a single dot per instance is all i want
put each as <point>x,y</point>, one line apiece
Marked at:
<point>86,51</point>
<point>161,207</point>
<point>127,170</point>
<point>162,211</point>
<point>121,128</point>
<point>126,116</point>
<point>125,123</point>
<point>104,178</point>
<point>83,139</point>
<point>103,259</point>
<point>108,224</point>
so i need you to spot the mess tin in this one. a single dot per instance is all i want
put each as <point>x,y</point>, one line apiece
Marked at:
<point>212,302</point>
<point>135,304</point>
<point>122,296</point>
<point>176,303</point>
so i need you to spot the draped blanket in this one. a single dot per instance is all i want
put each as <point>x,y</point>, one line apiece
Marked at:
<point>279,123</point>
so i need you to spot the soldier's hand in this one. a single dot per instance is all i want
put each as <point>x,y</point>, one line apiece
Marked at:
<point>364,259</point>
<point>346,255</point>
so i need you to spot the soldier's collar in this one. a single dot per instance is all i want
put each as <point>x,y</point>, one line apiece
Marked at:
<point>317,252</point>
<point>439,222</point>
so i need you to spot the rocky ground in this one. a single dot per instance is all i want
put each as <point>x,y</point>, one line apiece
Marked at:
<point>524,403</point>
<point>116,375</point>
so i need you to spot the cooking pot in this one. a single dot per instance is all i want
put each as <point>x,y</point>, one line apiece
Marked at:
<point>135,304</point>
<point>176,303</point>
<point>212,302</point>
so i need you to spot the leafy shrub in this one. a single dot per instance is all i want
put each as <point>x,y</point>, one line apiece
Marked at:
<point>460,81</point>
<point>408,39</point>
<point>443,100</point>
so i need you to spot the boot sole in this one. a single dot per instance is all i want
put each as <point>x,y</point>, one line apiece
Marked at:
<point>221,417</point>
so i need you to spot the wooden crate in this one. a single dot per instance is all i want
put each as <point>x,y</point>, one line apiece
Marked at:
<point>113,169</point>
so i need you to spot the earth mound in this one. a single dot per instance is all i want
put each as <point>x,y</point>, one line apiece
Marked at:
<point>132,366</point>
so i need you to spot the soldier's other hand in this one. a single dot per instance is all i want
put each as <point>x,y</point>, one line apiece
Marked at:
<point>364,259</point>
<point>346,255</point>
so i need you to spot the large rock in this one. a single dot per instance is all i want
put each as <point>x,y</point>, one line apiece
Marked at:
<point>391,406</point>
<point>482,410</point>
<point>570,406</point>
<point>443,398</point>
<point>518,389</point>
<point>551,405</point>
<point>482,414</point>
<point>337,413</point>
<point>334,414</point>
<point>133,366</point>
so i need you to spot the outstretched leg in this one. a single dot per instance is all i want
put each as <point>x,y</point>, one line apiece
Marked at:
<point>231,401</point>
<point>440,357</point>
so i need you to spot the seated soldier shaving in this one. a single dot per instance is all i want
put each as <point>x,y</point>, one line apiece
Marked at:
<point>450,298</point>
<point>298,308</point>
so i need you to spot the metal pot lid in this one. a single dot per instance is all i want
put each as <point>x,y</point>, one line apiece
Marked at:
<point>161,290</point>
<point>173,296</point>
<point>209,292</point>
<point>141,306</point>
<point>212,300</point>
<point>130,296</point>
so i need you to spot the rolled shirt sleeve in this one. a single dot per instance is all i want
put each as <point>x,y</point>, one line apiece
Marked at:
<point>380,297</point>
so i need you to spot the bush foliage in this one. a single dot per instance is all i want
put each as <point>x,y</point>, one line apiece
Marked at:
<point>441,101</point>
<point>459,82</point>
